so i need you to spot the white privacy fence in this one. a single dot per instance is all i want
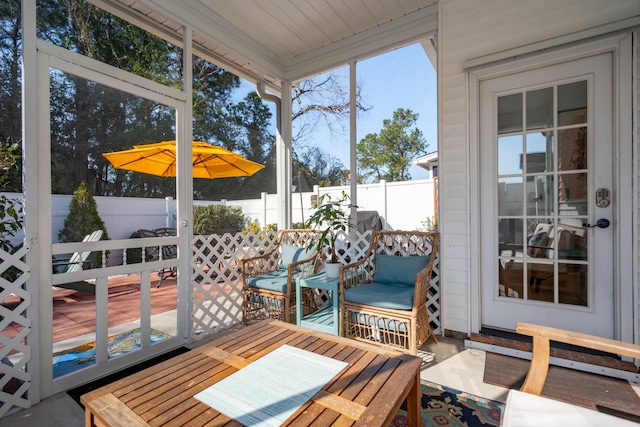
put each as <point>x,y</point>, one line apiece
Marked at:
<point>401,206</point>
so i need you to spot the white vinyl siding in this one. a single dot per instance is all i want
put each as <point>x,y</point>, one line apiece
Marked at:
<point>468,30</point>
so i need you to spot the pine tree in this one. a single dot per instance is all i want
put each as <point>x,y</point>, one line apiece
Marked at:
<point>83,217</point>
<point>389,154</point>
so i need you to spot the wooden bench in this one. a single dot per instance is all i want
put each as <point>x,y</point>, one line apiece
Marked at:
<point>543,335</point>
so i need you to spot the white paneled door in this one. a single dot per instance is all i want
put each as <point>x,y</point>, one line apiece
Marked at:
<point>547,197</point>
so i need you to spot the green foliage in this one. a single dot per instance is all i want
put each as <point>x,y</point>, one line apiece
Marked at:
<point>317,167</point>
<point>208,219</point>
<point>83,217</point>
<point>10,210</point>
<point>299,225</point>
<point>252,227</point>
<point>89,118</point>
<point>389,154</point>
<point>262,234</point>
<point>330,217</point>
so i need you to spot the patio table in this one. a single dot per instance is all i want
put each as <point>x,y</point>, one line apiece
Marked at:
<point>367,392</point>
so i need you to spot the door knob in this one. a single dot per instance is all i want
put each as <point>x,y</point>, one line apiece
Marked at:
<point>602,223</point>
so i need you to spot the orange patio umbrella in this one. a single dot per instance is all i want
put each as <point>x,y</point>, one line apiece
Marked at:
<point>209,161</point>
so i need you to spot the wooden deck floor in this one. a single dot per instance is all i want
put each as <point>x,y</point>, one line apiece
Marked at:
<point>74,313</point>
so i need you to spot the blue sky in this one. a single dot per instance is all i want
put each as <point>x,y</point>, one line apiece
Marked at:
<point>403,78</point>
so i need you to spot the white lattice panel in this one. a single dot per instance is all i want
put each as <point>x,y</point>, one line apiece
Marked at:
<point>217,285</point>
<point>14,353</point>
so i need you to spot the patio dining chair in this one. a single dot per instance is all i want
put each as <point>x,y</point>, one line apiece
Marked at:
<point>383,296</point>
<point>269,280</point>
<point>167,252</point>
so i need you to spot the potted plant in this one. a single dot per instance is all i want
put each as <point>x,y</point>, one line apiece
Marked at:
<point>330,217</point>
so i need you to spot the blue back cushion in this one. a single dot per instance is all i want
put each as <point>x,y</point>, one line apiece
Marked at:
<point>294,254</point>
<point>399,270</point>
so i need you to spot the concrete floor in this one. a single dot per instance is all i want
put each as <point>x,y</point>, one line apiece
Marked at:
<point>446,363</point>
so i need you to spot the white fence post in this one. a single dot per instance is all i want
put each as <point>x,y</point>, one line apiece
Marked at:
<point>383,189</point>
<point>263,200</point>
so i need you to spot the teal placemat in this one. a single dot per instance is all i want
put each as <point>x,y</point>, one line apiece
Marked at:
<point>271,389</point>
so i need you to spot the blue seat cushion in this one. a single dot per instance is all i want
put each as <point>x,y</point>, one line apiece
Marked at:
<point>273,281</point>
<point>382,295</point>
<point>399,270</point>
<point>292,254</point>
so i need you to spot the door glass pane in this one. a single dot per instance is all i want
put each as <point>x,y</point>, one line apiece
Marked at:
<point>572,149</point>
<point>510,150</point>
<point>510,113</point>
<point>570,240</point>
<point>541,282</point>
<point>540,195</point>
<point>572,194</point>
<point>572,103</point>
<point>510,196</point>
<point>540,108</point>
<point>510,278</point>
<point>510,237</point>
<point>539,152</point>
<point>573,284</point>
<point>540,241</point>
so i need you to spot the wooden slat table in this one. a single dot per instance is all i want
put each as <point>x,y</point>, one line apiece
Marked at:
<point>368,392</point>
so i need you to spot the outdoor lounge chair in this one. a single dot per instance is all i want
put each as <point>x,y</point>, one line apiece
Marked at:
<point>77,262</point>
<point>529,406</point>
<point>383,297</point>
<point>268,280</point>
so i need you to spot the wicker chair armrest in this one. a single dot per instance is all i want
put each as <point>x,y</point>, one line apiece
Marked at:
<point>354,274</point>
<point>423,282</point>
<point>304,268</point>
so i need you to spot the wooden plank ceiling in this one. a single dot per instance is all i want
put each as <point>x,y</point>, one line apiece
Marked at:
<point>271,41</point>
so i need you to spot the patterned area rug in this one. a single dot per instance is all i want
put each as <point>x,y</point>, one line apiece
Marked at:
<point>444,406</point>
<point>81,356</point>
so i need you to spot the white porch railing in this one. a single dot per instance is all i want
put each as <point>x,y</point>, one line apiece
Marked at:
<point>213,303</point>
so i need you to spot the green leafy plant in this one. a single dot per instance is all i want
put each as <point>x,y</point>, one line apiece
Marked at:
<point>263,235</point>
<point>331,218</point>
<point>10,210</point>
<point>212,218</point>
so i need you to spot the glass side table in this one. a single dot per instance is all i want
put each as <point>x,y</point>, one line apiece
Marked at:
<point>326,319</point>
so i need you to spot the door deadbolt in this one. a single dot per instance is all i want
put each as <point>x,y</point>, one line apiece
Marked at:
<point>603,197</point>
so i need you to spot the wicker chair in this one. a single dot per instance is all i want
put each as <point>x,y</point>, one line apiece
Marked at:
<point>383,296</point>
<point>268,280</point>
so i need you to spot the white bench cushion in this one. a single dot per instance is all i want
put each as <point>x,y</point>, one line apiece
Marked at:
<point>528,410</point>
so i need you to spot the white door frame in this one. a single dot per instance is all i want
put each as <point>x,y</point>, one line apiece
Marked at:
<point>51,56</point>
<point>620,45</point>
